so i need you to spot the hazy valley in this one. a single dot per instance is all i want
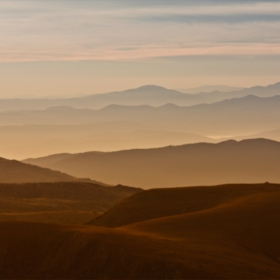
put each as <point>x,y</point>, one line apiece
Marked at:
<point>139,139</point>
<point>120,127</point>
<point>132,185</point>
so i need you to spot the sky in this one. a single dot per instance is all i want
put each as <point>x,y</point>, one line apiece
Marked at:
<point>67,48</point>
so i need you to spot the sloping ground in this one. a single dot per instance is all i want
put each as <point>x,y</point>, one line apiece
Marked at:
<point>157,203</point>
<point>60,202</point>
<point>234,238</point>
<point>13,171</point>
<point>248,161</point>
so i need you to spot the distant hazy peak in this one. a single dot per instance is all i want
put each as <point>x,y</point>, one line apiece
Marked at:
<point>148,89</point>
<point>210,89</point>
<point>117,107</point>
<point>259,140</point>
<point>61,108</point>
<point>151,87</point>
<point>271,86</point>
<point>169,105</point>
<point>276,85</point>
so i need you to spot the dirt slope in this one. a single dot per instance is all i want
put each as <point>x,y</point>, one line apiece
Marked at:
<point>236,237</point>
<point>59,202</point>
<point>157,203</point>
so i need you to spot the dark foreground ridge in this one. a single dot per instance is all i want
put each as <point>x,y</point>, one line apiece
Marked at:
<point>217,232</point>
<point>58,202</point>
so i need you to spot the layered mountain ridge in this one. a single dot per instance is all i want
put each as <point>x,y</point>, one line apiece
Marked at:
<point>247,161</point>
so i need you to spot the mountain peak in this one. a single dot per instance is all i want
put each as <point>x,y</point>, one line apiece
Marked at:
<point>151,87</point>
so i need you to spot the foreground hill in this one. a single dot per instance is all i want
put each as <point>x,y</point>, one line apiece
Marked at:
<point>60,202</point>
<point>176,201</point>
<point>247,161</point>
<point>149,95</point>
<point>235,237</point>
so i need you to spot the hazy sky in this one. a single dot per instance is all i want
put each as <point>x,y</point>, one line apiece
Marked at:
<point>69,47</point>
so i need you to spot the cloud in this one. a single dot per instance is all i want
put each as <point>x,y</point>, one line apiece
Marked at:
<point>127,30</point>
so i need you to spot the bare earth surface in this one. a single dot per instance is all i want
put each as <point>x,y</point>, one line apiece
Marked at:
<point>58,202</point>
<point>217,232</point>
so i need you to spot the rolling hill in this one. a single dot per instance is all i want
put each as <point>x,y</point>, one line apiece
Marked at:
<point>59,202</point>
<point>247,161</point>
<point>157,203</point>
<point>235,237</point>
<point>13,171</point>
<point>269,134</point>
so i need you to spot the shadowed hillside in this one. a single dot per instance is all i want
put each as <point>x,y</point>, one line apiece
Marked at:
<point>235,237</point>
<point>13,171</point>
<point>176,201</point>
<point>248,161</point>
<point>60,202</point>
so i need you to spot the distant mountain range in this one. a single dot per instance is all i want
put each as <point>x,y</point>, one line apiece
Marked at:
<point>247,161</point>
<point>145,95</point>
<point>247,115</point>
<point>252,113</point>
<point>208,88</point>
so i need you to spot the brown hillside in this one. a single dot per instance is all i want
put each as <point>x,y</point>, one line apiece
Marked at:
<point>156,203</point>
<point>251,222</point>
<point>237,237</point>
<point>59,202</point>
<point>13,171</point>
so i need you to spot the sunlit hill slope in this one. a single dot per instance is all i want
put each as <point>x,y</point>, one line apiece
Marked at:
<point>236,236</point>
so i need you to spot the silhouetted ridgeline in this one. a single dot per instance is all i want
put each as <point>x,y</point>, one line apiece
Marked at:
<point>13,171</point>
<point>245,115</point>
<point>149,95</point>
<point>248,161</point>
